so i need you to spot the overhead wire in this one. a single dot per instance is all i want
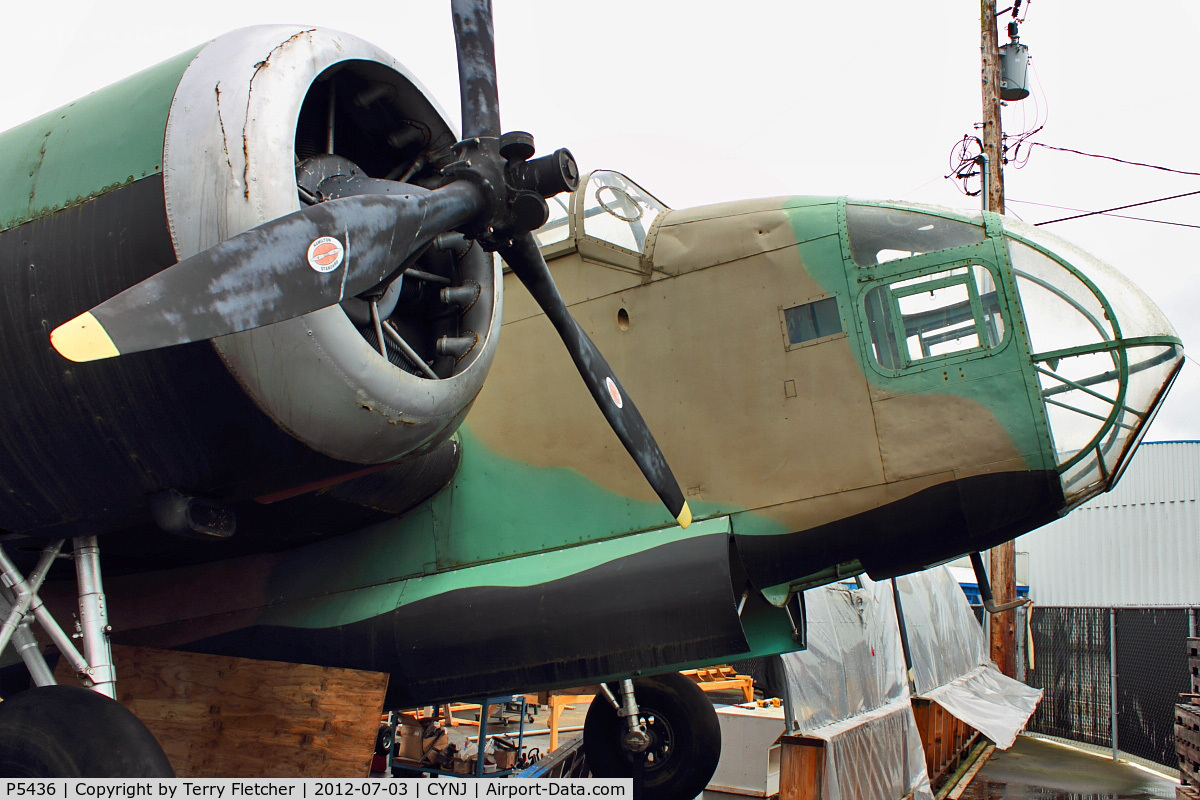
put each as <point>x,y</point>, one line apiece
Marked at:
<point>1041,117</point>
<point>1118,216</point>
<point>1119,208</point>
<point>1114,158</point>
<point>963,164</point>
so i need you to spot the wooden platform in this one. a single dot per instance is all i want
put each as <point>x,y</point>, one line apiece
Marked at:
<point>802,769</point>
<point>946,739</point>
<point>1187,728</point>
<point>1187,742</point>
<point>219,717</point>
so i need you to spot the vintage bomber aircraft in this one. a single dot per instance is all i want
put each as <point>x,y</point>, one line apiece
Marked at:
<point>841,386</point>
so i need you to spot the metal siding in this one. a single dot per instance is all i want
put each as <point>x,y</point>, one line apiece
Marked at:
<point>1137,545</point>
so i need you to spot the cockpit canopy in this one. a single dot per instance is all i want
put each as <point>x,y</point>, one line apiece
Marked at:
<point>608,218</point>
<point>1103,351</point>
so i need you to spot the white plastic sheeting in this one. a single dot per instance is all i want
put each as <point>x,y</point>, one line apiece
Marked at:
<point>849,689</point>
<point>854,662</point>
<point>950,660</point>
<point>990,702</point>
<point>875,756</point>
<point>944,638</point>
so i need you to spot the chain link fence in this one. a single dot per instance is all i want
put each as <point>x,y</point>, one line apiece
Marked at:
<point>1111,676</point>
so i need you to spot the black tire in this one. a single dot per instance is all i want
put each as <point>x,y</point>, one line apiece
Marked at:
<point>685,738</point>
<point>71,732</point>
<point>384,740</point>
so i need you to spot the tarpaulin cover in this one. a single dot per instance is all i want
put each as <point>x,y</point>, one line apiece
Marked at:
<point>950,662</point>
<point>944,638</point>
<point>876,756</point>
<point>990,702</point>
<point>850,686</point>
<point>849,689</point>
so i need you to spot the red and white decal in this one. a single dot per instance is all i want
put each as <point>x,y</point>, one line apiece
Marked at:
<point>614,393</point>
<point>326,254</point>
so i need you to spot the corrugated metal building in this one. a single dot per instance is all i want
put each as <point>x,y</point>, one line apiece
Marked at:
<point>1138,545</point>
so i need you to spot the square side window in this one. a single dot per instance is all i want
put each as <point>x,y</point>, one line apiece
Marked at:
<point>812,320</point>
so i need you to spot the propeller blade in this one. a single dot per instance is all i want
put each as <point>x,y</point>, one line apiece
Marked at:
<point>294,265</point>
<point>525,259</point>
<point>476,67</point>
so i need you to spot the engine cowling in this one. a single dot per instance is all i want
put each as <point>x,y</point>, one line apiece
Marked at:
<point>211,143</point>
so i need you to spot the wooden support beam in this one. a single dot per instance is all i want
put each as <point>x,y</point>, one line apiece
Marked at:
<point>1003,626</point>
<point>801,767</point>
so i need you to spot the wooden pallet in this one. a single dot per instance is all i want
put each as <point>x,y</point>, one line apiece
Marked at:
<point>1187,742</point>
<point>1193,648</point>
<point>719,678</point>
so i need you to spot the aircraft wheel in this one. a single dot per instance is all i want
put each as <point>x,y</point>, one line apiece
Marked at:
<point>685,738</point>
<point>384,740</point>
<point>71,732</point>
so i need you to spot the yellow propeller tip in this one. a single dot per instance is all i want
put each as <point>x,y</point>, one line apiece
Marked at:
<point>83,339</point>
<point>685,516</point>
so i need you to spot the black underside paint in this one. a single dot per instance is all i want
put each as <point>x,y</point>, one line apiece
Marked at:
<point>647,612</point>
<point>82,445</point>
<point>668,605</point>
<point>928,527</point>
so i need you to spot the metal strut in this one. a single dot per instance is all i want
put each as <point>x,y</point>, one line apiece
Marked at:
<point>20,606</point>
<point>636,738</point>
<point>985,588</point>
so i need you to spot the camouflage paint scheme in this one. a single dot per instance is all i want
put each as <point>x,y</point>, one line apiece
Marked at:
<point>546,560</point>
<point>544,492</point>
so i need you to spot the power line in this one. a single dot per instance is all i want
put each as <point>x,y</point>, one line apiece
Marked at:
<point>1118,216</point>
<point>1119,208</point>
<point>1113,158</point>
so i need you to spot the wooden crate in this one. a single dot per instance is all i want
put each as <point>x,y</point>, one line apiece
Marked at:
<point>1193,649</point>
<point>220,717</point>
<point>1187,742</point>
<point>802,768</point>
<point>946,739</point>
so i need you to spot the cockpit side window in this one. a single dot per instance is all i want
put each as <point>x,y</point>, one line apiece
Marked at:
<point>952,311</point>
<point>878,235</point>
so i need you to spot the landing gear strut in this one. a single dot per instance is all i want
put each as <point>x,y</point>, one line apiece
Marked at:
<point>66,731</point>
<point>662,727</point>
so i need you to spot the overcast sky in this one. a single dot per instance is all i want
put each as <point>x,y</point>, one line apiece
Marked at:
<point>757,98</point>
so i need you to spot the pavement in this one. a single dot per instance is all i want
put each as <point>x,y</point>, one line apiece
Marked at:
<point>1034,769</point>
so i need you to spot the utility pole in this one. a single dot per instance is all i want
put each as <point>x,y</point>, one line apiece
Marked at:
<point>993,133</point>
<point>1003,628</point>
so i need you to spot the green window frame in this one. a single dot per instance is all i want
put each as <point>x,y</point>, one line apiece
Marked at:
<point>911,320</point>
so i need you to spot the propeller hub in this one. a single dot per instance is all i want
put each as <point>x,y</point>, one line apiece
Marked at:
<point>514,187</point>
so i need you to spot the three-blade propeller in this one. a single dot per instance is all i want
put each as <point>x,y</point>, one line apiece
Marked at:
<point>340,248</point>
